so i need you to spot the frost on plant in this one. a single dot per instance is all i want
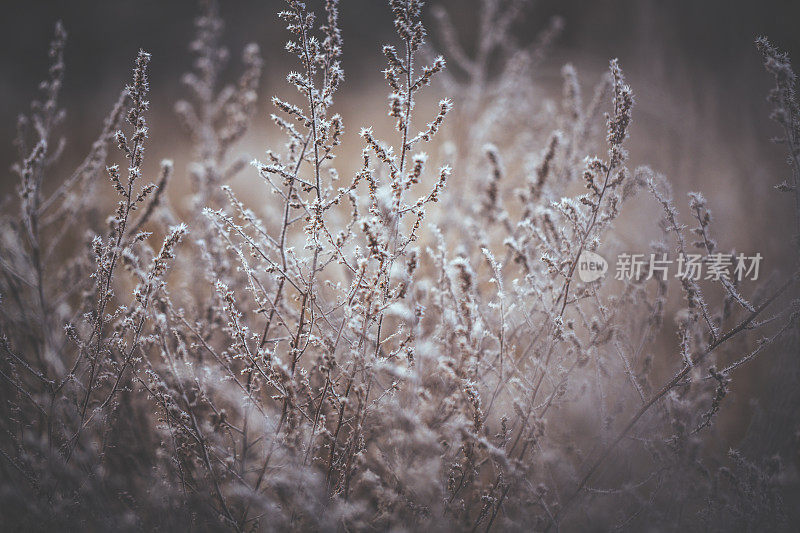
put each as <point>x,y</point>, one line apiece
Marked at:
<point>391,333</point>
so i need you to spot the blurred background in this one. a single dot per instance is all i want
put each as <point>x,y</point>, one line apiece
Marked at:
<point>701,117</point>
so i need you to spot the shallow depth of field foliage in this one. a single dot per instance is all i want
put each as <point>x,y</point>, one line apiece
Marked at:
<point>388,336</point>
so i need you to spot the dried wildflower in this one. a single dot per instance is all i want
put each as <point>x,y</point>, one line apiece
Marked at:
<point>365,351</point>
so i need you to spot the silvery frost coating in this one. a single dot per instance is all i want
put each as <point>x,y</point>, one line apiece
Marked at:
<point>406,347</point>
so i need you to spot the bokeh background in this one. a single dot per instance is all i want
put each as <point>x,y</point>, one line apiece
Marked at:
<point>701,116</point>
<point>692,64</point>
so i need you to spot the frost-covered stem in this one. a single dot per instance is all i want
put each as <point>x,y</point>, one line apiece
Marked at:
<point>671,215</point>
<point>296,354</point>
<point>564,293</point>
<point>339,423</point>
<point>155,271</point>
<point>97,331</point>
<point>201,440</point>
<point>742,326</point>
<point>707,244</point>
<point>534,393</point>
<point>497,508</point>
<point>134,345</point>
<point>409,101</point>
<point>794,151</point>
<point>408,104</point>
<point>32,175</point>
<point>282,243</point>
<point>137,91</point>
<point>785,112</point>
<point>316,417</point>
